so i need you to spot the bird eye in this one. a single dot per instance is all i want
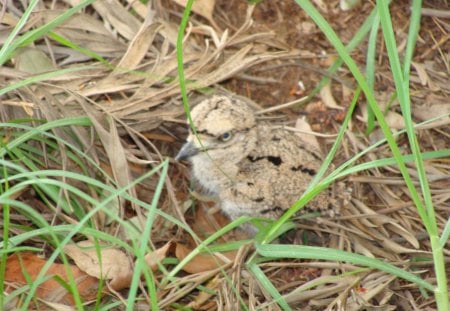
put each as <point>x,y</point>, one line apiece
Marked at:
<point>225,136</point>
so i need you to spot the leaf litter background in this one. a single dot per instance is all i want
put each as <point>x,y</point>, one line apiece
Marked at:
<point>272,54</point>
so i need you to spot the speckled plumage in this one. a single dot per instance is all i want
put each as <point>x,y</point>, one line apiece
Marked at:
<point>253,169</point>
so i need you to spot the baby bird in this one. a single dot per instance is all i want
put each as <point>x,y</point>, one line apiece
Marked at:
<point>253,169</point>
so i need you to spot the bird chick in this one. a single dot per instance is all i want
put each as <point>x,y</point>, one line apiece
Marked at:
<point>253,169</point>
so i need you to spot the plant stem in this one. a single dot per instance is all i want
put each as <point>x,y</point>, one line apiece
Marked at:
<point>441,291</point>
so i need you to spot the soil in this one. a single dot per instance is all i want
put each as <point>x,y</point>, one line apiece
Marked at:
<point>296,30</point>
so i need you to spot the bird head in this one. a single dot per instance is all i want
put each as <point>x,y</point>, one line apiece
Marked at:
<point>225,131</point>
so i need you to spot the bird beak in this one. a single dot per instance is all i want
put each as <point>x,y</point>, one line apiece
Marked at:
<point>188,150</point>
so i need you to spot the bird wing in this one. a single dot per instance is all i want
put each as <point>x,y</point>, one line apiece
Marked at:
<point>276,173</point>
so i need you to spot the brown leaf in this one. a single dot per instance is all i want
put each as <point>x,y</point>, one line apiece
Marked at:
<point>395,120</point>
<point>205,296</point>
<point>431,111</point>
<point>113,265</point>
<point>113,12</point>
<point>202,262</point>
<point>33,60</point>
<point>327,97</point>
<point>303,125</point>
<point>20,264</point>
<point>203,8</point>
<point>113,147</point>
<point>138,47</point>
<point>152,259</point>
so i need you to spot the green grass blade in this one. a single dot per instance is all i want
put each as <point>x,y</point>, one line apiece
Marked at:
<point>8,49</point>
<point>414,27</point>
<point>42,77</point>
<point>203,246</point>
<point>312,191</point>
<point>141,265</point>
<point>354,42</point>
<point>445,234</point>
<point>181,77</point>
<point>370,69</point>
<point>401,78</point>
<point>313,252</point>
<point>333,38</point>
<point>268,286</point>
<point>76,228</point>
<point>76,47</point>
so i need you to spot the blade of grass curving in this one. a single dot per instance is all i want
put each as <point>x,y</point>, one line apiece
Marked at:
<point>32,35</point>
<point>323,253</point>
<point>25,133</point>
<point>353,43</point>
<point>52,174</point>
<point>203,246</point>
<point>318,282</point>
<point>402,86</point>
<point>72,283</point>
<point>311,192</point>
<point>409,158</point>
<point>337,143</point>
<point>12,148</point>
<point>46,192</point>
<point>228,246</point>
<point>60,229</point>
<point>51,177</point>
<point>76,47</point>
<point>76,228</point>
<point>445,234</point>
<point>7,48</point>
<point>341,169</point>
<point>181,77</point>
<point>89,181</point>
<point>141,265</point>
<point>370,69</point>
<point>42,77</point>
<point>414,27</point>
<point>334,40</point>
<point>5,235</point>
<point>268,286</point>
<point>22,185</point>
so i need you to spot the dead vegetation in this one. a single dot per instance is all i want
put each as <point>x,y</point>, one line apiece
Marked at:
<point>127,84</point>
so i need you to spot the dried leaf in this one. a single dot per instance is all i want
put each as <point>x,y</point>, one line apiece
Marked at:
<point>303,125</point>
<point>113,146</point>
<point>321,5</point>
<point>113,12</point>
<point>32,60</point>
<point>349,4</point>
<point>395,120</point>
<point>140,8</point>
<point>139,46</point>
<point>201,262</point>
<point>154,258</point>
<point>204,296</point>
<point>20,264</point>
<point>203,8</point>
<point>327,97</point>
<point>434,110</point>
<point>113,264</point>
<point>421,72</point>
<point>59,306</point>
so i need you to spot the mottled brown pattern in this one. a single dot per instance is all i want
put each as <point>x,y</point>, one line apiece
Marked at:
<point>253,169</point>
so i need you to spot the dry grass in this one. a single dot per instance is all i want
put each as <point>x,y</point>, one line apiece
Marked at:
<point>131,93</point>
